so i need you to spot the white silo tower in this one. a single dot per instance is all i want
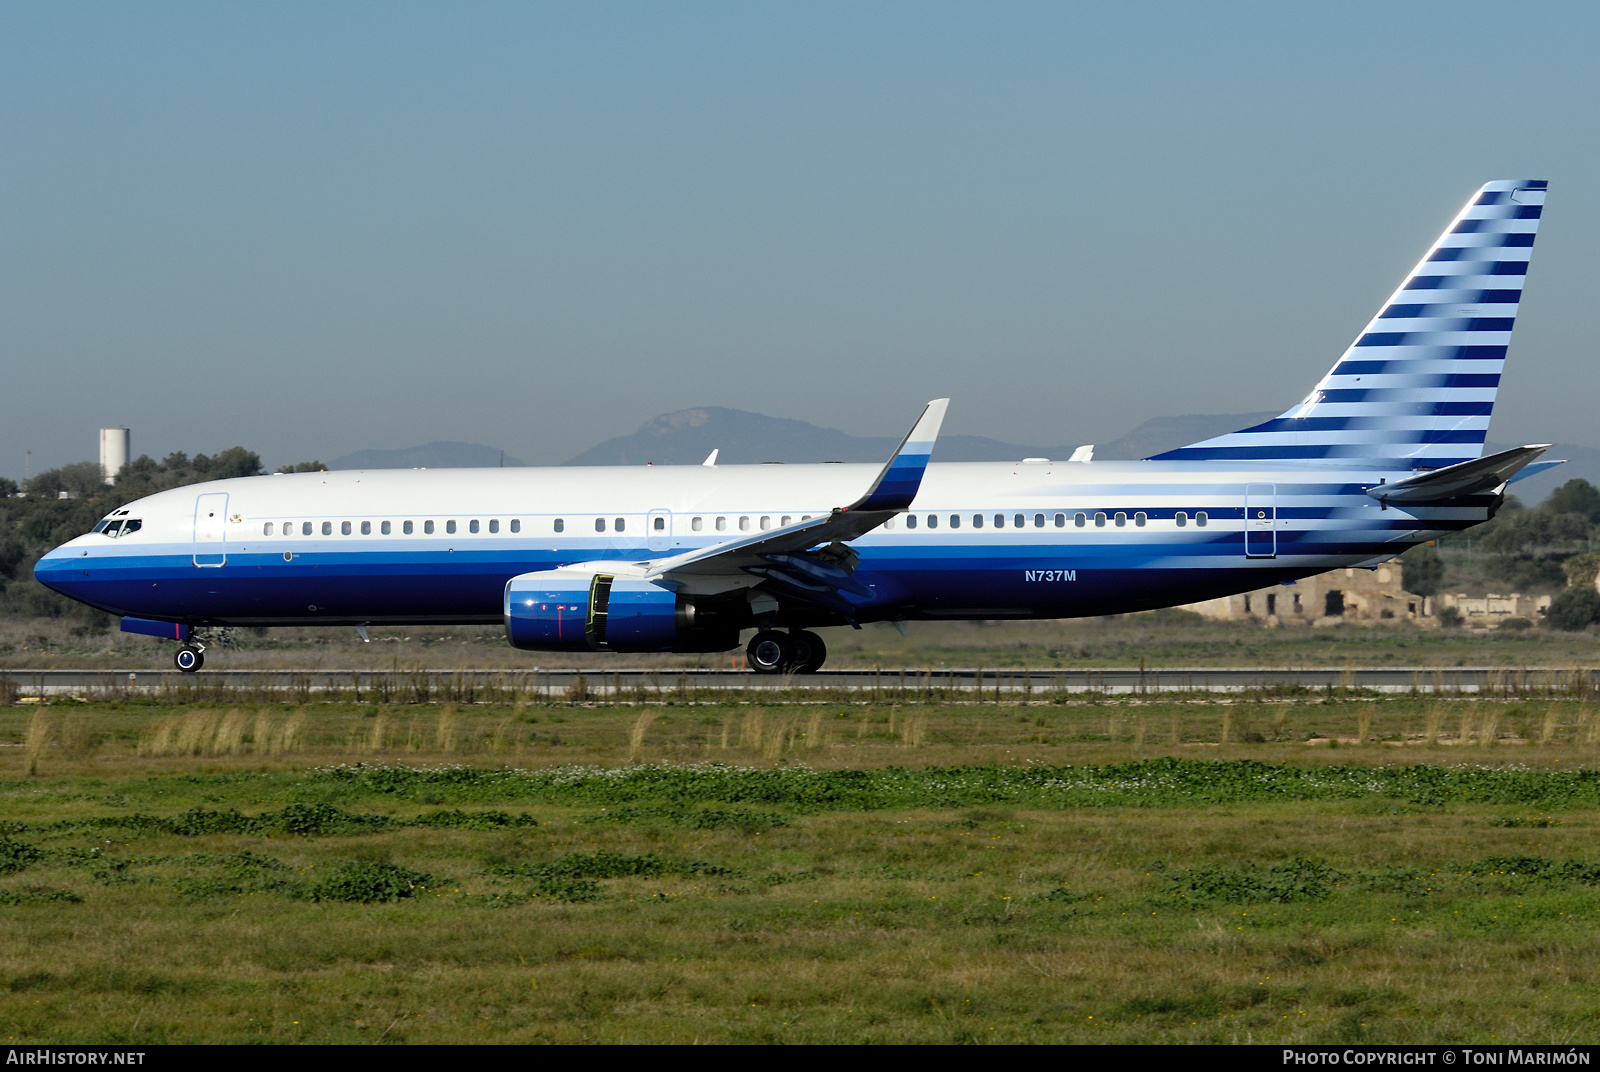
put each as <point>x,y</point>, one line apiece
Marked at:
<point>113,453</point>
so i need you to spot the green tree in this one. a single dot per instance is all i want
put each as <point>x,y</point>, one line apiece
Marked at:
<point>1581,569</point>
<point>1422,571</point>
<point>1575,497</point>
<point>303,467</point>
<point>1574,609</point>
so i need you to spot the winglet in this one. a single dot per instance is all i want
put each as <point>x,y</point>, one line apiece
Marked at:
<point>897,484</point>
<point>711,459</point>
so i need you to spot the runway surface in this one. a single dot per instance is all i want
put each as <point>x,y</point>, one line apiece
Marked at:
<point>909,684</point>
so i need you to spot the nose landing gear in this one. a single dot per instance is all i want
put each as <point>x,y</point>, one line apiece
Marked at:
<point>799,652</point>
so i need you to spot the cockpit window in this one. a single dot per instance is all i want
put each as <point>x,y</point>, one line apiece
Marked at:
<point>117,527</point>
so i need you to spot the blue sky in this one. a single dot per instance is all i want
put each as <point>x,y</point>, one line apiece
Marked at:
<point>317,228</point>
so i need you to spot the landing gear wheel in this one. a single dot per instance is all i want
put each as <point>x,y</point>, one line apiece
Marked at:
<point>809,651</point>
<point>188,660</point>
<point>769,652</point>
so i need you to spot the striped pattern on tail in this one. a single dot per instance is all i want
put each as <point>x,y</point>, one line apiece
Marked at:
<point>1416,389</point>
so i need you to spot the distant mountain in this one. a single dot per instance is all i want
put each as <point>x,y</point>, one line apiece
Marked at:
<point>687,436</point>
<point>440,454</point>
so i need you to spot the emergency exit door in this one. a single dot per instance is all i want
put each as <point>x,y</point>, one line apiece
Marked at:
<point>1261,520</point>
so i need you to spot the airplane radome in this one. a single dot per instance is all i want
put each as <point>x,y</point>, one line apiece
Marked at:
<point>1385,452</point>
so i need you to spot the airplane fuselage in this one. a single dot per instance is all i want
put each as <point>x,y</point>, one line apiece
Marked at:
<point>990,540</point>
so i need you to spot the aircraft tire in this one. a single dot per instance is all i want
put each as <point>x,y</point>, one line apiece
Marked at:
<point>809,651</point>
<point>769,652</point>
<point>188,660</point>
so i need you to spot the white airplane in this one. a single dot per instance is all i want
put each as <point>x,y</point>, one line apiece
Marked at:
<point>1385,452</point>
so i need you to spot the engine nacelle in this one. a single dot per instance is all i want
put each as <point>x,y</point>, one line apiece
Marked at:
<point>588,610</point>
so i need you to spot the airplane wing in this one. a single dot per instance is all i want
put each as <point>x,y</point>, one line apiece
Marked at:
<point>785,556</point>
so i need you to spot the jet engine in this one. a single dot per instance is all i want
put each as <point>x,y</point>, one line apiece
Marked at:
<point>587,610</point>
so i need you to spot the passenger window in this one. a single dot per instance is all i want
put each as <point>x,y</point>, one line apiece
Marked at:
<point>450,526</point>
<point>1181,518</point>
<point>494,525</point>
<point>1038,521</point>
<point>786,520</point>
<point>722,524</point>
<point>805,517</point>
<point>472,526</point>
<point>744,524</point>
<point>344,528</point>
<point>327,528</point>
<point>1122,520</point>
<point>366,528</point>
<point>427,528</point>
<point>889,524</point>
<point>977,521</point>
<point>266,530</point>
<point>1020,521</point>
<point>305,528</point>
<point>599,524</point>
<point>1078,520</point>
<point>1200,519</point>
<point>387,528</point>
<point>911,521</point>
<point>621,524</point>
<point>766,522</point>
<point>661,524</point>
<point>933,521</point>
<point>516,524</point>
<point>1099,519</point>
<point>696,524</point>
<point>560,525</point>
<point>1139,519</point>
<point>955,521</point>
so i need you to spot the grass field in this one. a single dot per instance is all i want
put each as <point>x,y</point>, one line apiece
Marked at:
<point>1317,870</point>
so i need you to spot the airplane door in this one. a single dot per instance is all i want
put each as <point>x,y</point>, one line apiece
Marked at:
<point>658,530</point>
<point>1261,521</point>
<point>210,513</point>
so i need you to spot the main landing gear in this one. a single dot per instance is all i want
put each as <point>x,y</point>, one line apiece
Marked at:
<point>799,652</point>
<point>189,659</point>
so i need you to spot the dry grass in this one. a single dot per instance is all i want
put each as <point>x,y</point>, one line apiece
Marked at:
<point>37,741</point>
<point>641,726</point>
<point>1433,722</point>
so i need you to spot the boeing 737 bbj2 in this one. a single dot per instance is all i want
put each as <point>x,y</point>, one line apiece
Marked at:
<point>1384,453</point>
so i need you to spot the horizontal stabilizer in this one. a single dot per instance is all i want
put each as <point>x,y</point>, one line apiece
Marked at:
<point>1464,478</point>
<point>1535,468</point>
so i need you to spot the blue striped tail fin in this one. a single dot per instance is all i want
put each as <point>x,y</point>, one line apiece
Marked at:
<point>1417,387</point>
